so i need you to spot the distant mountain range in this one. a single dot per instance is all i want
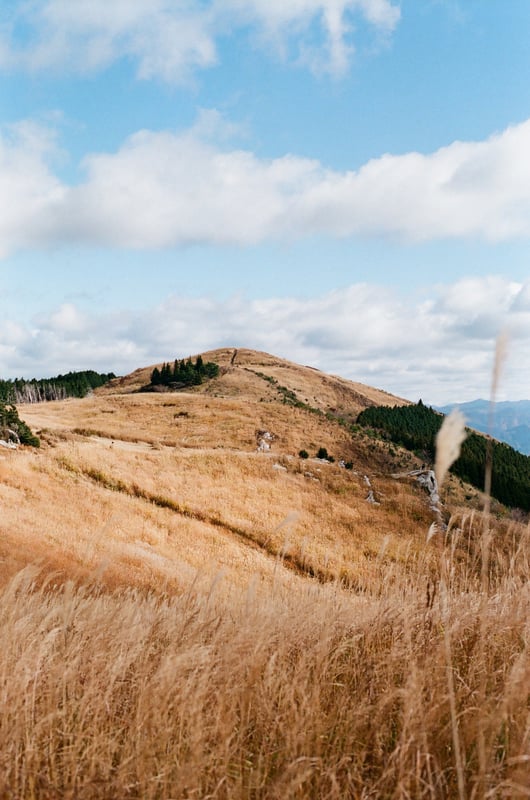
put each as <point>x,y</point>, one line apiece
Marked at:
<point>511,421</point>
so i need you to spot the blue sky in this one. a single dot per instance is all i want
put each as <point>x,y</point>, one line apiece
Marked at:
<point>345,183</point>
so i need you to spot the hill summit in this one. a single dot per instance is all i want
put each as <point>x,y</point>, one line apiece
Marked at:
<point>261,375</point>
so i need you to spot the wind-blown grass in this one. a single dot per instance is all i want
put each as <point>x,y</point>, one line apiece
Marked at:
<point>128,671</point>
<point>319,694</point>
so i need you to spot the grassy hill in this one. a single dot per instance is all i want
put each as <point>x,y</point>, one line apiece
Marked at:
<point>189,460</point>
<point>189,616</point>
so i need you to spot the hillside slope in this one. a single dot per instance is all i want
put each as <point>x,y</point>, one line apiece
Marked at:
<point>186,615</point>
<point>159,488</point>
<point>163,486</point>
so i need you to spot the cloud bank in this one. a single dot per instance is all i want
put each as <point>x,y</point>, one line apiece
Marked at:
<point>439,347</point>
<point>165,189</point>
<point>170,39</point>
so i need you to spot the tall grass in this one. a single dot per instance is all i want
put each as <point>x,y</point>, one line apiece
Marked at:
<point>410,679</point>
<point>318,694</point>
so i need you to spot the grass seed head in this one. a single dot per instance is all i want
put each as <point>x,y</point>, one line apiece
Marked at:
<point>448,442</point>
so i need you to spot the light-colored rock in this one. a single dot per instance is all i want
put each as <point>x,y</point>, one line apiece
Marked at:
<point>427,479</point>
<point>264,440</point>
<point>371,498</point>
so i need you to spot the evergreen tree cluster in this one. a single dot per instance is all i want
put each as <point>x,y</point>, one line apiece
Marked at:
<point>12,428</point>
<point>415,427</point>
<point>73,384</point>
<point>184,373</point>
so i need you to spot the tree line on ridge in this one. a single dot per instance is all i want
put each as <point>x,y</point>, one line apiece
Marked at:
<point>40,390</point>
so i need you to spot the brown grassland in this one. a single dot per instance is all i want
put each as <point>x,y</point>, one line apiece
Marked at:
<point>186,617</point>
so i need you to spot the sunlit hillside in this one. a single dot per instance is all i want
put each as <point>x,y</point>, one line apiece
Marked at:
<point>194,610</point>
<point>158,487</point>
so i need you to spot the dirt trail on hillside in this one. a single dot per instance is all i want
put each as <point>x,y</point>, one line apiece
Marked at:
<point>122,444</point>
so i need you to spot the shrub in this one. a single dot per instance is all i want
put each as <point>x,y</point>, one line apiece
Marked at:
<point>10,421</point>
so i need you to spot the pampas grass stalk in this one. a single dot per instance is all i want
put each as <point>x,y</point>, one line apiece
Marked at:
<point>448,443</point>
<point>449,671</point>
<point>498,363</point>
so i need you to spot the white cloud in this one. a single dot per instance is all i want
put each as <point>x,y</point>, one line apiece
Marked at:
<point>30,194</point>
<point>283,23</point>
<point>168,39</point>
<point>162,189</point>
<point>464,189</point>
<point>365,332</point>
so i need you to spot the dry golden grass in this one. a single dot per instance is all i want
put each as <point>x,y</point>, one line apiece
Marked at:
<point>313,693</point>
<point>184,617</point>
<point>195,454</point>
<point>314,514</point>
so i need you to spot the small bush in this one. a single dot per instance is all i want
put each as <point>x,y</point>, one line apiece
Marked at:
<point>303,454</point>
<point>10,423</point>
<point>322,453</point>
